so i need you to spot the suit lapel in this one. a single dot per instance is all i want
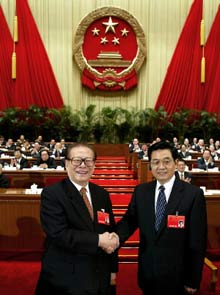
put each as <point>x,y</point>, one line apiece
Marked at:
<point>78,203</point>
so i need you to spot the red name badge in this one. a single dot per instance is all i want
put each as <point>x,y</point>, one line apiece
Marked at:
<point>103,217</point>
<point>176,221</point>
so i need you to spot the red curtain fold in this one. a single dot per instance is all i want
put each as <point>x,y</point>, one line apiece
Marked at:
<point>35,82</point>
<point>212,52</point>
<point>6,47</point>
<point>181,87</point>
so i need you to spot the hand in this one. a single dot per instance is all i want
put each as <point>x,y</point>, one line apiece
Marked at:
<point>189,290</point>
<point>188,179</point>
<point>108,242</point>
<point>113,278</point>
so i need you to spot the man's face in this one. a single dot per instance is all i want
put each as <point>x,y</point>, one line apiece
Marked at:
<point>82,173</point>
<point>44,156</point>
<point>17,155</point>
<point>180,166</point>
<point>162,165</point>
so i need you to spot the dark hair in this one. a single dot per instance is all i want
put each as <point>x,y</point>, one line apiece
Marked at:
<point>181,160</point>
<point>163,145</point>
<point>79,144</point>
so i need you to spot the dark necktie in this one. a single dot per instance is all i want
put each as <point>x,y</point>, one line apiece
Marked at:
<point>160,207</point>
<point>86,201</point>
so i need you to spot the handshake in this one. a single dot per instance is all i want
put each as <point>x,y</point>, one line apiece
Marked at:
<point>109,242</point>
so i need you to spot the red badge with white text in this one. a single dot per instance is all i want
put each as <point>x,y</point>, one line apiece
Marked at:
<point>103,217</point>
<point>109,48</point>
<point>176,221</point>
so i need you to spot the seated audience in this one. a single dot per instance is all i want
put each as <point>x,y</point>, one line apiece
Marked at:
<point>4,181</point>
<point>134,146</point>
<point>51,144</point>
<point>19,161</point>
<point>201,146</point>
<point>206,162</point>
<point>194,144</point>
<point>213,152</point>
<point>10,145</point>
<point>40,141</point>
<point>26,148</point>
<point>2,141</point>
<point>183,153</point>
<point>35,151</point>
<point>181,172</point>
<point>176,143</point>
<point>21,140</point>
<point>143,154</point>
<point>58,151</point>
<point>187,144</point>
<point>45,161</point>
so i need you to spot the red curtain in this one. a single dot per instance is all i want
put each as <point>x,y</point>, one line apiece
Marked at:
<point>181,87</point>
<point>6,47</point>
<point>212,52</point>
<point>35,82</point>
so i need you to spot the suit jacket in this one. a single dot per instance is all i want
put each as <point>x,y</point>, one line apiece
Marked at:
<point>51,163</point>
<point>23,163</point>
<point>186,174</point>
<point>183,156</point>
<point>73,263</point>
<point>202,165</point>
<point>172,257</point>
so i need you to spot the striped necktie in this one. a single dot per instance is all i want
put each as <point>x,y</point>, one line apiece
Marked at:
<point>83,191</point>
<point>160,207</point>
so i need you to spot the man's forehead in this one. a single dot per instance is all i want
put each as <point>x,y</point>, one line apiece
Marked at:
<point>81,150</point>
<point>161,153</point>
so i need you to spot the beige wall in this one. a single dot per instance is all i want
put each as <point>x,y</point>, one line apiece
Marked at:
<point>161,20</point>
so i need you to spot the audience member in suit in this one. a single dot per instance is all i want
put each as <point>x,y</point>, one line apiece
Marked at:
<point>206,161</point>
<point>58,151</point>
<point>183,153</point>
<point>181,172</point>
<point>19,161</point>
<point>4,181</point>
<point>10,145</point>
<point>143,154</point>
<point>75,260</point>
<point>200,146</point>
<point>171,256</point>
<point>35,151</point>
<point>51,144</point>
<point>45,161</point>
<point>134,146</point>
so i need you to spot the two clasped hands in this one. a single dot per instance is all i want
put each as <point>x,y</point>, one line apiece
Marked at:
<point>109,242</point>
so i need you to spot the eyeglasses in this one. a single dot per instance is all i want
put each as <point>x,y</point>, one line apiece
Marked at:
<point>165,162</point>
<point>78,161</point>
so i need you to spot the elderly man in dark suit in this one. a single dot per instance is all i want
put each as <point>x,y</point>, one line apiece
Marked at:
<point>45,161</point>
<point>171,217</point>
<point>77,216</point>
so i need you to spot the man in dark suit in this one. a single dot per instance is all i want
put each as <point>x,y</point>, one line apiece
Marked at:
<point>45,161</point>
<point>172,242</point>
<point>183,153</point>
<point>19,161</point>
<point>181,172</point>
<point>75,261</point>
<point>206,161</point>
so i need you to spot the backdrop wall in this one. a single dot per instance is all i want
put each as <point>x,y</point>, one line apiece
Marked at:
<point>161,20</point>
